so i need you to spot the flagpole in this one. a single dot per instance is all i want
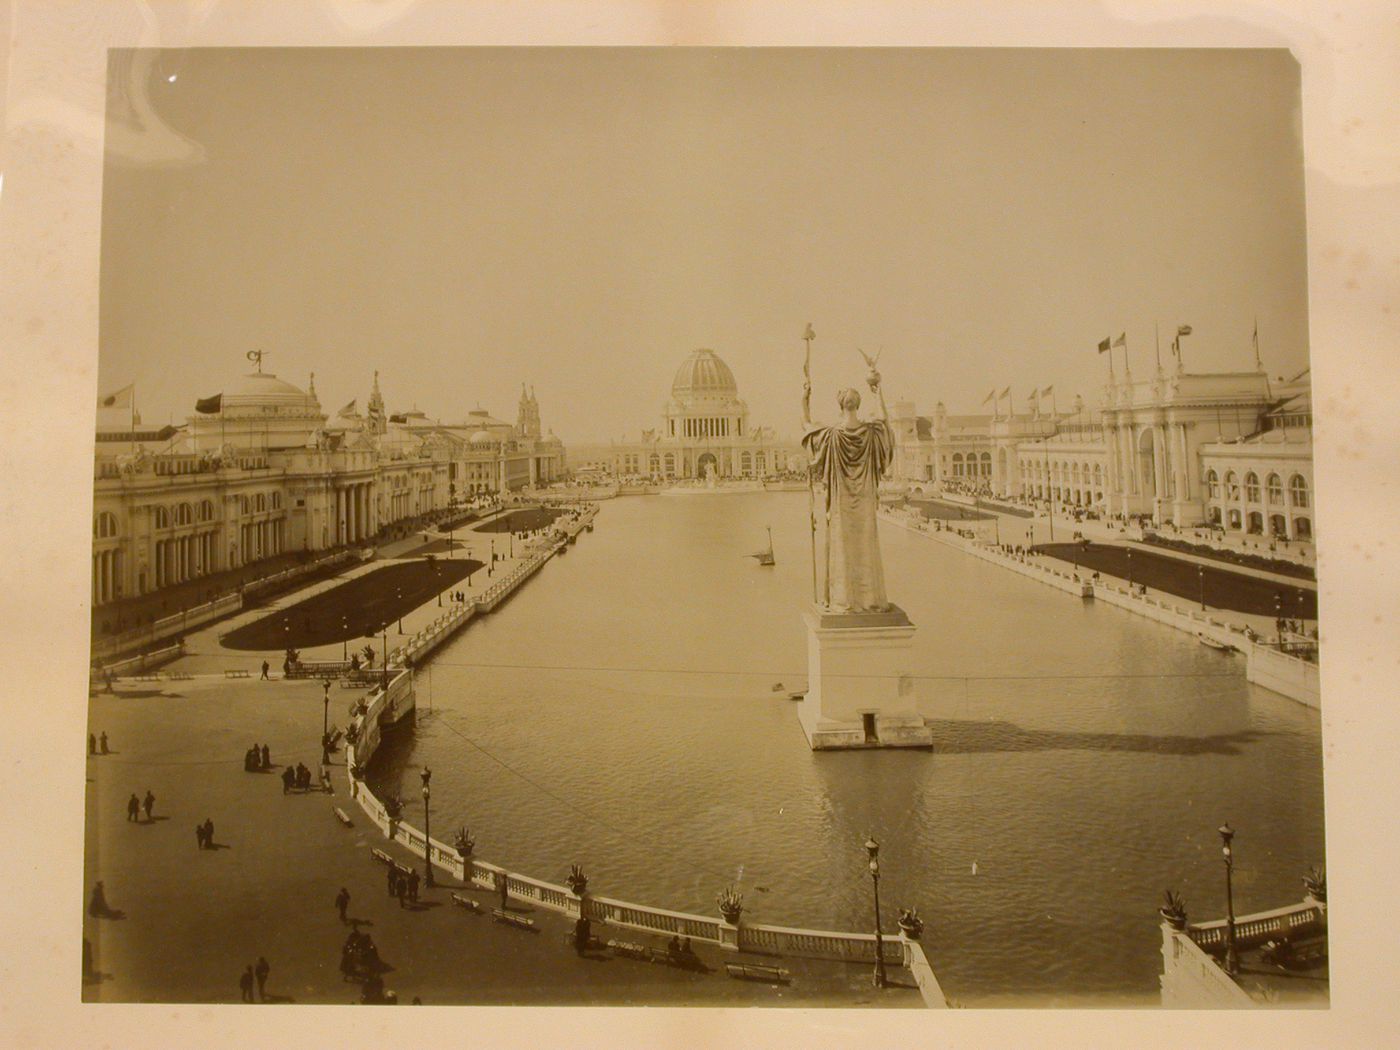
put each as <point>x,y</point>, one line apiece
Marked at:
<point>1157,338</point>
<point>807,338</point>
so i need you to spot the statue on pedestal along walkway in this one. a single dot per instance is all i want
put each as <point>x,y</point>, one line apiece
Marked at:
<point>849,459</point>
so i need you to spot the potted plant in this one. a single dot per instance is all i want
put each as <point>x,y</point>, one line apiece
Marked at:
<point>731,904</point>
<point>464,842</point>
<point>910,924</point>
<point>1316,883</point>
<point>577,880</point>
<point>1173,911</point>
<point>358,771</point>
<point>393,805</point>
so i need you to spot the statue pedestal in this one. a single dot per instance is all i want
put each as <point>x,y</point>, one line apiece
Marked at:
<point>860,692</point>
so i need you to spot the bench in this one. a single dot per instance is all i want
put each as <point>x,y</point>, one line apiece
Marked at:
<point>756,972</point>
<point>628,949</point>
<point>238,674</point>
<point>518,921</point>
<point>341,816</point>
<point>465,902</point>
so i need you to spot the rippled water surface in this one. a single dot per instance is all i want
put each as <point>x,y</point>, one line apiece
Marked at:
<point>618,713</point>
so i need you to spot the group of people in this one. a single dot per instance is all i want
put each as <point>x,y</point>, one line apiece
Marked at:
<point>204,834</point>
<point>257,759</point>
<point>97,745</point>
<point>253,973</point>
<point>359,958</point>
<point>403,885</point>
<point>298,777</point>
<point>681,953</point>
<point>135,805</point>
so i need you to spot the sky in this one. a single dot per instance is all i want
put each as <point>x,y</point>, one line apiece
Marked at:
<point>465,220</point>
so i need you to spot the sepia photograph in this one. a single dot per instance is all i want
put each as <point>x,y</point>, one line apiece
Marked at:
<point>628,526</point>
<point>721,525</point>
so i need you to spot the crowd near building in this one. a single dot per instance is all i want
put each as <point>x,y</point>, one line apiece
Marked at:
<point>1231,451</point>
<point>260,470</point>
<point>705,431</point>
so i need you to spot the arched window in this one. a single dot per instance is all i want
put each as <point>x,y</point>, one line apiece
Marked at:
<point>162,518</point>
<point>1215,515</point>
<point>957,465</point>
<point>670,462</point>
<point>1256,523</point>
<point>1232,486</point>
<point>104,526</point>
<point>206,510</point>
<point>1302,528</point>
<point>184,514</point>
<point>1213,485</point>
<point>1234,519</point>
<point>1278,525</point>
<point>1251,487</point>
<point>746,463</point>
<point>1275,490</point>
<point>260,501</point>
<point>1298,491</point>
<point>760,462</point>
<point>986,459</point>
<point>277,501</point>
<point>243,504</point>
<point>654,463</point>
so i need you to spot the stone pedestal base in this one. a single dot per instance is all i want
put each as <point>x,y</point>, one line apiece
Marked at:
<point>860,693</point>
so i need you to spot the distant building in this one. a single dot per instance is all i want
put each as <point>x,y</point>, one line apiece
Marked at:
<point>260,470</point>
<point>704,426</point>
<point>1231,450</point>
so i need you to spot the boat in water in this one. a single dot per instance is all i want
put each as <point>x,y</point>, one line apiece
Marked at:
<point>765,557</point>
<point>1214,643</point>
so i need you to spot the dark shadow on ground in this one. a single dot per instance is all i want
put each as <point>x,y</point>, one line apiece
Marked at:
<point>519,521</point>
<point>965,738</point>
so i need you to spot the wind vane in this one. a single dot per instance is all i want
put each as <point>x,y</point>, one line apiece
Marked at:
<point>256,357</point>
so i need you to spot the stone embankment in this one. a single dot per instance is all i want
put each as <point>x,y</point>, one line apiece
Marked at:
<point>1267,666</point>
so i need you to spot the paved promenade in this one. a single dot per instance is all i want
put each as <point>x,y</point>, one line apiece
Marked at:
<point>193,919</point>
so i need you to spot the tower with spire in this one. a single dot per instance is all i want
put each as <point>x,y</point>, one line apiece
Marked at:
<point>527,416</point>
<point>377,421</point>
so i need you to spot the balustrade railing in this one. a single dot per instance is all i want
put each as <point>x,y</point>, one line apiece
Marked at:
<point>1251,930</point>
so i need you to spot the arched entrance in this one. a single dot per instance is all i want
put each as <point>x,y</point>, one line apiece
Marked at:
<point>706,460</point>
<point>1147,464</point>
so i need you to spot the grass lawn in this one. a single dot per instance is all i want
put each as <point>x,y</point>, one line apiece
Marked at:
<point>519,521</point>
<point>1224,589</point>
<point>948,511</point>
<point>356,608</point>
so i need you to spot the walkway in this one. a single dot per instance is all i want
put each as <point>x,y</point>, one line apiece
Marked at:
<point>195,918</point>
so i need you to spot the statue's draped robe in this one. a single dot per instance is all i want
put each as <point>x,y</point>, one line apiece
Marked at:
<point>850,463</point>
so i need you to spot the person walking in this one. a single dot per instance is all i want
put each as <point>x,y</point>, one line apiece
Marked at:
<point>265,666</point>
<point>97,905</point>
<point>133,808</point>
<point>288,775</point>
<point>342,903</point>
<point>102,744</point>
<point>92,744</point>
<point>199,836</point>
<point>266,757</point>
<point>208,833</point>
<point>148,804</point>
<point>261,972</point>
<point>504,886</point>
<point>245,984</point>
<point>401,890</point>
<point>393,881</point>
<point>413,886</point>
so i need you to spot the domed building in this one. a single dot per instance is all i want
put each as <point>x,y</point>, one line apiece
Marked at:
<point>704,429</point>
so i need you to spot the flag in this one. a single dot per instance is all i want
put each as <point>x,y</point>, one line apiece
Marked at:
<point>809,334</point>
<point>210,405</point>
<point>398,417</point>
<point>1122,340</point>
<point>1105,345</point>
<point>348,410</point>
<point>1005,393</point>
<point>1183,330</point>
<point>991,395</point>
<point>1047,391</point>
<point>119,399</point>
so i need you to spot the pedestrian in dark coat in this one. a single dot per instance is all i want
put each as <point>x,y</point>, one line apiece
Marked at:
<point>97,906</point>
<point>342,902</point>
<point>199,835</point>
<point>208,833</point>
<point>92,744</point>
<point>148,804</point>
<point>245,984</point>
<point>261,972</point>
<point>265,667</point>
<point>288,775</point>
<point>503,885</point>
<point>413,887</point>
<point>266,758</point>
<point>133,808</point>
<point>102,743</point>
<point>393,882</point>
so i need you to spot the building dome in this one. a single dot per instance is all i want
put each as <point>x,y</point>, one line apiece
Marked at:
<point>703,374</point>
<point>482,437</point>
<point>263,389</point>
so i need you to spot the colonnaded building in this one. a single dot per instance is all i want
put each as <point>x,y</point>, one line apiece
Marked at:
<point>1227,449</point>
<point>260,470</point>
<point>704,426</point>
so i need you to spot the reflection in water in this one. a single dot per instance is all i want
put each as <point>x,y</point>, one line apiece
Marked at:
<point>619,713</point>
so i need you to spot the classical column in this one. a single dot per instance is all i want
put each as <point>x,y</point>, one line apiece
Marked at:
<point>1183,470</point>
<point>1159,460</point>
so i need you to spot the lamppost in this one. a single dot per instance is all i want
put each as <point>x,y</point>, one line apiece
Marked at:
<point>1232,959</point>
<point>1278,618</point>
<point>427,775</point>
<point>384,663</point>
<point>1130,568</point>
<point>398,593</point>
<point>873,848</point>
<point>345,641</point>
<point>325,711</point>
<point>1201,572</point>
